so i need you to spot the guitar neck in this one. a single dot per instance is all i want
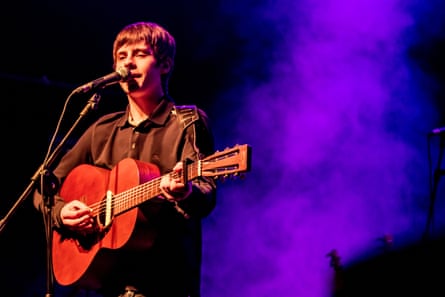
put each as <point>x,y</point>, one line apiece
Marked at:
<point>230,162</point>
<point>135,196</point>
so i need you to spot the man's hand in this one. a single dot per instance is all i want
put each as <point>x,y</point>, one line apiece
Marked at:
<point>174,189</point>
<point>76,216</point>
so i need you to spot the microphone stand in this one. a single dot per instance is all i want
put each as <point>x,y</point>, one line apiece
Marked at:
<point>48,188</point>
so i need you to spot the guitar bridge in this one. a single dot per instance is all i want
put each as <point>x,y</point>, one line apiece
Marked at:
<point>105,214</point>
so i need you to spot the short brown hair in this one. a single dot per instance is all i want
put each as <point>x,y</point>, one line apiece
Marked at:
<point>159,39</point>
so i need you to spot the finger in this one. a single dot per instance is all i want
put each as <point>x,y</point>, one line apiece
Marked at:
<point>167,194</point>
<point>178,167</point>
<point>76,220</point>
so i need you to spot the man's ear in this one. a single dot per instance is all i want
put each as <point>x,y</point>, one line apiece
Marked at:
<point>166,66</point>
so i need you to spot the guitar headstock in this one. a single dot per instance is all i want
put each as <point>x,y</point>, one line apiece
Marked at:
<point>229,162</point>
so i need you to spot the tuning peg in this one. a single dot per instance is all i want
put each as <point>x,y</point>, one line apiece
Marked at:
<point>223,178</point>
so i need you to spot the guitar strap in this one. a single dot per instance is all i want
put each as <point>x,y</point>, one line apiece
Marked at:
<point>186,114</point>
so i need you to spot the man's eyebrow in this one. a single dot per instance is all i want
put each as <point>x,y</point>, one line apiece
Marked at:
<point>136,50</point>
<point>143,49</point>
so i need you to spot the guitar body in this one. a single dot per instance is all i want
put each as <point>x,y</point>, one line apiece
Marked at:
<point>84,260</point>
<point>113,195</point>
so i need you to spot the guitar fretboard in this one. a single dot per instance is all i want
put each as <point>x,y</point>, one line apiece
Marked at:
<point>135,196</point>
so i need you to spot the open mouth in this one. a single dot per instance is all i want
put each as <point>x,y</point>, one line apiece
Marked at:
<point>132,84</point>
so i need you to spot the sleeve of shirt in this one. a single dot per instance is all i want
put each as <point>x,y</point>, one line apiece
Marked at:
<point>73,157</point>
<point>199,143</point>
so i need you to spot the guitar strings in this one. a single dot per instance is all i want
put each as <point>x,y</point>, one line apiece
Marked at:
<point>130,198</point>
<point>121,200</point>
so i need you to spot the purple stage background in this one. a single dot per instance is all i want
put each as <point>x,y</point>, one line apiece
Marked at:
<point>337,121</point>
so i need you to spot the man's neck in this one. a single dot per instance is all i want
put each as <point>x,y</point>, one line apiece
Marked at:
<point>142,108</point>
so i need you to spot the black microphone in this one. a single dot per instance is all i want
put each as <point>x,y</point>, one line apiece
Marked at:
<point>437,131</point>
<point>120,74</point>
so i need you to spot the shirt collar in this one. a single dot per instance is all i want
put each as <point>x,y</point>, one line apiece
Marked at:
<point>159,116</point>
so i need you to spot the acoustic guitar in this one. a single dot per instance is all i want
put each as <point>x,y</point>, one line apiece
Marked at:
<point>114,196</point>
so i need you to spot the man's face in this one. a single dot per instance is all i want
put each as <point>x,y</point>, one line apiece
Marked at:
<point>145,73</point>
